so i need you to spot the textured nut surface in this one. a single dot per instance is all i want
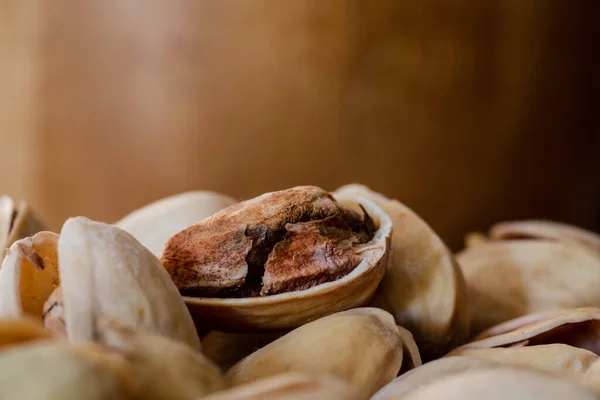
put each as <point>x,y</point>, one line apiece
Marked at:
<point>329,257</point>
<point>423,288</point>
<point>29,274</point>
<point>291,386</point>
<point>510,278</point>
<point>54,372</point>
<point>155,223</point>
<point>104,271</point>
<point>361,346</point>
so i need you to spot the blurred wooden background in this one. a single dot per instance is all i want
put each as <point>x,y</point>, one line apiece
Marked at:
<point>468,111</point>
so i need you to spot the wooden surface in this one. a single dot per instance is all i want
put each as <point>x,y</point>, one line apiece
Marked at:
<point>468,111</point>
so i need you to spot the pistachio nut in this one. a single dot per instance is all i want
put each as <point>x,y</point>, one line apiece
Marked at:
<point>227,348</point>
<point>568,361</point>
<point>155,223</point>
<point>291,386</point>
<point>17,221</point>
<point>510,278</point>
<point>546,230</point>
<point>160,368</point>
<point>565,342</point>
<point>19,330</point>
<point>361,346</point>
<point>29,274</point>
<point>428,374</point>
<point>501,384</point>
<point>104,271</point>
<point>55,371</point>
<point>423,288</point>
<point>279,260</point>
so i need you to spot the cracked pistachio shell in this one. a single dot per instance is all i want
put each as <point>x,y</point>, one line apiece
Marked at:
<point>29,274</point>
<point>362,346</point>
<point>17,221</point>
<point>501,384</point>
<point>52,371</point>
<point>291,386</point>
<point>226,348</point>
<point>293,308</point>
<point>155,223</point>
<point>160,368</point>
<point>567,361</point>
<point>19,330</point>
<point>429,373</point>
<point>510,278</point>
<point>423,287</point>
<point>104,271</point>
<point>548,230</point>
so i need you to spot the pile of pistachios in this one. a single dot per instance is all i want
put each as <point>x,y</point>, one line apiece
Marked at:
<point>295,294</point>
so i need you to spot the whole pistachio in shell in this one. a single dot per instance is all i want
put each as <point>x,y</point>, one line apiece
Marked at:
<point>160,368</point>
<point>362,346</point>
<point>17,221</point>
<point>501,384</point>
<point>53,371</point>
<point>29,274</point>
<point>155,223</point>
<point>227,348</point>
<point>104,271</point>
<point>546,230</point>
<point>279,260</point>
<point>429,373</point>
<point>565,342</point>
<point>510,278</point>
<point>291,386</point>
<point>423,288</point>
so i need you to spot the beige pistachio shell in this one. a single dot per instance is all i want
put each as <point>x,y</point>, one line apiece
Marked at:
<point>17,221</point>
<point>161,368</point>
<point>292,309</point>
<point>225,348</point>
<point>576,327</point>
<point>507,279</point>
<point>104,271</point>
<point>548,230</point>
<point>54,372</point>
<point>291,386</point>
<point>19,330</point>
<point>429,373</point>
<point>361,346</point>
<point>564,360</point>
<point>423,288</point>
<point>29,274</point>
<point>155,223</point>
<point>501,384</point>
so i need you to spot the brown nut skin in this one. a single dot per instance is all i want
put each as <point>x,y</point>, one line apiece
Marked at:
<point>362,346</point>
<point>291,386</point>
<point>155,223</point>
<point>18,330</point>
<point>423,287</point>
<point>293,308</point>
